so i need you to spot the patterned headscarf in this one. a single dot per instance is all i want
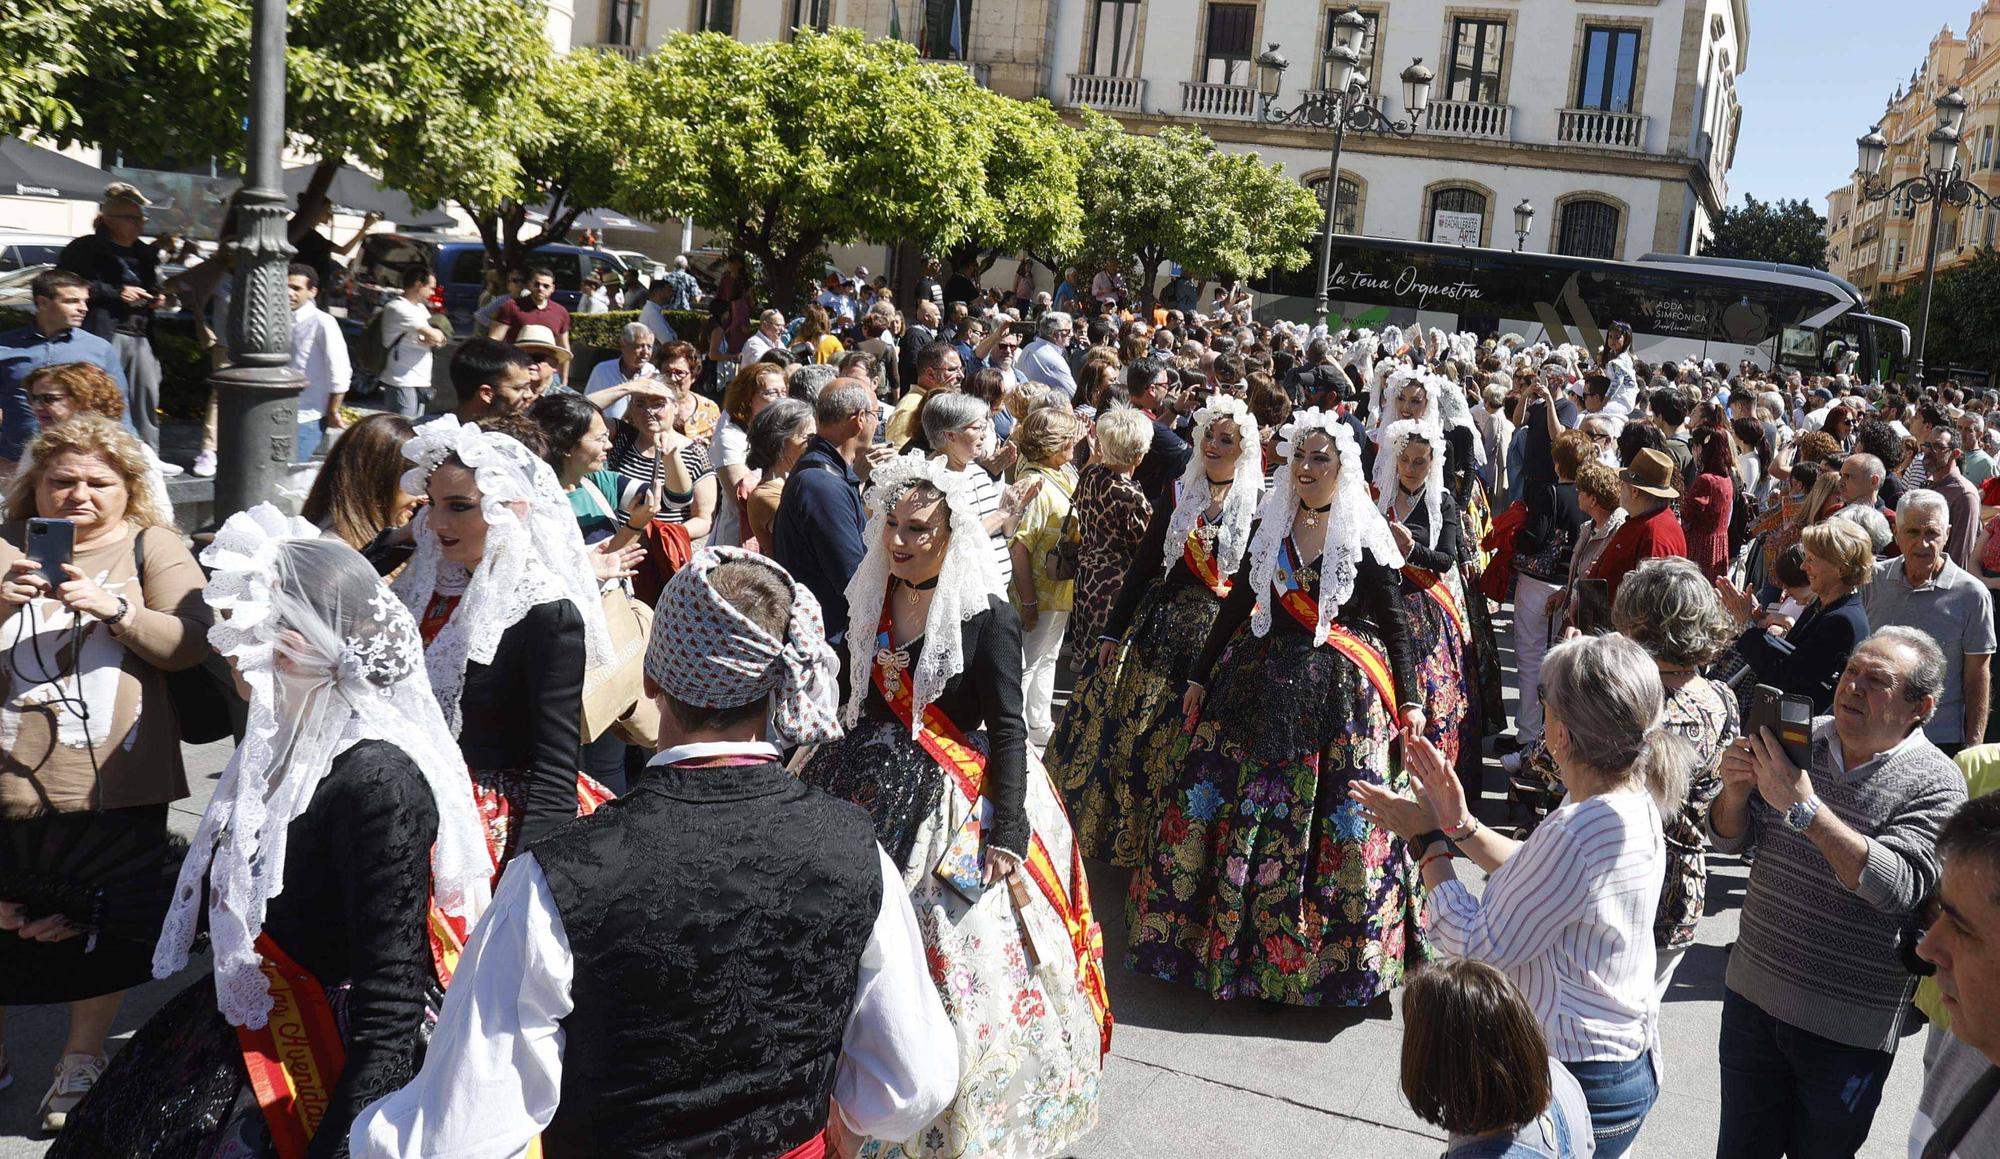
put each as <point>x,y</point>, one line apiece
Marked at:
<point>707,653</point>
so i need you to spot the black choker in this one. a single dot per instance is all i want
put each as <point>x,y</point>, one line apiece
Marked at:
<point>1407,492</point>
<point>1313,513</point>
<point>925,586</point>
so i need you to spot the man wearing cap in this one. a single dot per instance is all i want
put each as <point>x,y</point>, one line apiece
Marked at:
<point>124,278</point>
<point>706,965</point>
<point>551,369</point>
<point>1650,530</point>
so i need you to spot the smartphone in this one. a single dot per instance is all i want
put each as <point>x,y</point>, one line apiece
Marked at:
<point>1788,717</point>
<point>1591,611</point>
<point>52,543</point>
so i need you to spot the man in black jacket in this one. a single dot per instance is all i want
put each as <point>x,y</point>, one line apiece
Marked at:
<point>124,281</point>
<point>1149,383</point>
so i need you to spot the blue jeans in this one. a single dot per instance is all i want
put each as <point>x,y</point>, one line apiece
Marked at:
<point>1787,1091</point>
<point>308,441</point>
<point>1619,1094</point>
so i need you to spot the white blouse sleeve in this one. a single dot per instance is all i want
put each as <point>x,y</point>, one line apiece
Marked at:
<point>898,1065</point>
<point>493,1074</point>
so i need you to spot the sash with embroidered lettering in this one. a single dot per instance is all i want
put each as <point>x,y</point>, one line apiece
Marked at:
<point>965,767</point>
<point>1198,553</point>
<point>294,1059</point>
<point>1433,585</point>
<point>1303,606</point>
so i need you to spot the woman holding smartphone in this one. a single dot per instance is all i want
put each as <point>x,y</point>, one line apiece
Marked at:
<point>84,705</point>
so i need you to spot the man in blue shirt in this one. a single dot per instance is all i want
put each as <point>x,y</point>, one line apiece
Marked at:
<point>62,300</point>
<point>817,534</point>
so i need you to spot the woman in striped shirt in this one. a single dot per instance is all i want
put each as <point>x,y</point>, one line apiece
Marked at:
<point>1568,914</point>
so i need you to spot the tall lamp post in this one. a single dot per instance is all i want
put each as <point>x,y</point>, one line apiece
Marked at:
<point>1940,184</point>
<point>257,395</point>
<point>1344,104</point>
<point>1524,220</point>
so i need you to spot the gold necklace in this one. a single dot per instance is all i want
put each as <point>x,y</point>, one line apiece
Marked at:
<point>1313,513</point>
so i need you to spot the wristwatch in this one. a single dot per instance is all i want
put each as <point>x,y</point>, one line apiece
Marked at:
<point>1799,817</point>
<point>1422,843</point>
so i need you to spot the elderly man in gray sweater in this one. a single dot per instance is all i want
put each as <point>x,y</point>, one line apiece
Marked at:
<point>1846,855</point>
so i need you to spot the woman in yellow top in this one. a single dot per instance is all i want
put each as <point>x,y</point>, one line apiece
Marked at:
<point>1047,441</point>
<point>815,341</point>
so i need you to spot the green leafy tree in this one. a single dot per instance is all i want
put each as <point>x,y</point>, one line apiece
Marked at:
<point>1965,315</point>
<point>426,94</point>
<point>1784,230</point>
<point>567,155</point>
<point>1175,197</point>
<point>786,148</point>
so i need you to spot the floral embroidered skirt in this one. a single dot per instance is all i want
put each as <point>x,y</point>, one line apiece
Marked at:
<point>1439,649</point>
<point>1028,1045</point>
<point>1113,749</point>
<point>1262,879</point>
<point>501,795</point>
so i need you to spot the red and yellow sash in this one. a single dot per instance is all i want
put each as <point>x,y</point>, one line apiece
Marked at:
<point>967,769</point>
<point>1434,587</point>
<point>295,1058</point>
<point>1200,560</point>
<point>1304,607</point>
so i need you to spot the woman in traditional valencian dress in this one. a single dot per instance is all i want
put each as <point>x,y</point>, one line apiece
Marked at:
<point>504,593</point>
<point>1112,752</point>
<point>1424,518</point>
<point>936,750</point>
<point>1262,879</point>
<point>343,819</point>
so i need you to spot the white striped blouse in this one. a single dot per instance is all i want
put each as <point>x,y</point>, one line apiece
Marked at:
<point>1569,917</point>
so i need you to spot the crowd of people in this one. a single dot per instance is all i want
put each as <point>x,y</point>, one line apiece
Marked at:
<point>668,758</point>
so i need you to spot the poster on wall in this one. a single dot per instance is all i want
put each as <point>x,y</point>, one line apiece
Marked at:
<point>1449,227</point>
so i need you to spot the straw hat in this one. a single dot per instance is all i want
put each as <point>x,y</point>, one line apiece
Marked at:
<point>541,338</point>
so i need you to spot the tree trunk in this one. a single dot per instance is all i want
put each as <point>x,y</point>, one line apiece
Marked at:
<point>1151,267</point>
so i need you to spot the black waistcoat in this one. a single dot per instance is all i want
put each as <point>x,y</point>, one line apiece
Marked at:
<point>717,918</point>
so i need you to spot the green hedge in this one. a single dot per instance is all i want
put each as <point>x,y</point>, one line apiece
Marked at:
<point>601,330</point>
<point>183,368</point>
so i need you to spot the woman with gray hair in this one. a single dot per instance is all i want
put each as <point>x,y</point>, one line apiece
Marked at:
<point>960,427</point>
<point>1568,913</point>
<point>1668,607</point>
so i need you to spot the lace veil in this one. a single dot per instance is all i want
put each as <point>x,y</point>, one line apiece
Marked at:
<point>1394,438</point>
<point>534,555</point>
<point>968,577</point>
<point>331,659</point>
<point>1354,525</point>
<point>1239,507</point>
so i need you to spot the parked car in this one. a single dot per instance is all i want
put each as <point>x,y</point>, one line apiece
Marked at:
<point>650,268</point>
<point>19,250</point>
<point>376,274</point>
<point>16,291</point>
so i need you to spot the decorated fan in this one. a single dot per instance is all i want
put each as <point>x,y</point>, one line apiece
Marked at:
<point>106,878</point>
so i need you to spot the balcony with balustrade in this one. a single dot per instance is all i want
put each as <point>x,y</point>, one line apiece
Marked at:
<point>1114,94</point>
<point>628,51</point>
<point>982,73</point>
<point>1599,129</point>
<point>1473,120</point>
<point>1221,102</point>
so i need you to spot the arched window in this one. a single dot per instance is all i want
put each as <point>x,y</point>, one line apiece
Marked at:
<point>1347,219</point>
<point>1458,216</point>
<point>1588,229</point>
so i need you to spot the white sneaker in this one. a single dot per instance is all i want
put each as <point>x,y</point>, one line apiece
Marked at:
<point>169,470</point>
<point>204,465</point>
<point>75,1075</point>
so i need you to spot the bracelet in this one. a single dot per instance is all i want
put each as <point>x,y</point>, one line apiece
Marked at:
<point>118,617</point>
<point>1462,832</point>
<point>1424,862</point>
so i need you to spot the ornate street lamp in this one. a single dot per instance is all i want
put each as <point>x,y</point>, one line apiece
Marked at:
<point>257,396</point>
<point>1524,220</point>
<point>1344,104</point>
<point>1940,184</point>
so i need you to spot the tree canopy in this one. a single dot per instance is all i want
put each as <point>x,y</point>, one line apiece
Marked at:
<point>1175,197</point>
<point>1965,315</point>
<point>1770,231</point>
<point>785,148</point>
